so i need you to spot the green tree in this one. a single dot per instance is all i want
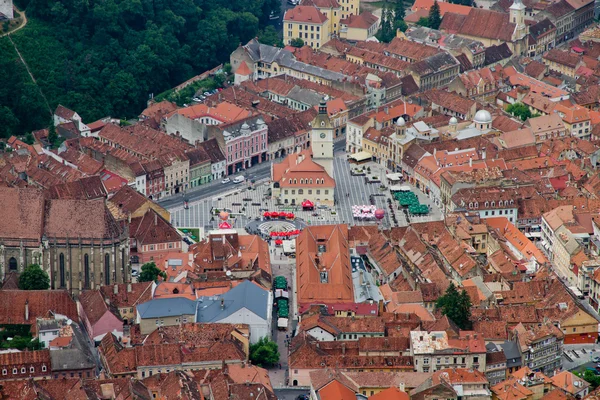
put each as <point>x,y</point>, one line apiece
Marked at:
<point>270,36</point>
<point>9,124</point>
<point>296,42</point>
<point>401,26</point>
<point>399,12</point>
<point>435,18</point>
<point>423,21</point>
<point>519,110</point>
<point>29,138</point>
<point>53,137</point>
<point>386,31</point>
<point>150,273</point>
<point>456,306</point>
<point>591,378</point>
<point>34,278</point>
<point>264,353</point>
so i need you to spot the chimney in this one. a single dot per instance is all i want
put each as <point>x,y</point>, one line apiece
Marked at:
<point>129,218</point>
<point>129,287</point>
<point>26,310</point>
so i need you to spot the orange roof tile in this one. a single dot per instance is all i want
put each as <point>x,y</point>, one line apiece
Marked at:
<point>336,391</point>
<point>305,14</point>
<point>243,69</point>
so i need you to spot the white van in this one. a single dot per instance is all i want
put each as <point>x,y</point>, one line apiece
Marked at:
<point>238,179</point>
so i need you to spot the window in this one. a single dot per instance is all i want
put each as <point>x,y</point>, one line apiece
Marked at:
<point>23,370</point>
<point>107,269</point>
<point>43,368</point>
<point>4,372</point>
<point>31,369</point>
<point>86,271</point>
<point>61,263</point>
<point>15,371</point>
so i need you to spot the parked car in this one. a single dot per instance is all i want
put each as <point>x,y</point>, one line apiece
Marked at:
<point>206,93</point>
<point>596,359</point>
<point>226,180</point>
<point>239,179</point>
<point>134,272</point>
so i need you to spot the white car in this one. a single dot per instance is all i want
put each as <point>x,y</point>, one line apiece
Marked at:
<point>226,180</point>
<point>134,272</point>
<point>238,179</point>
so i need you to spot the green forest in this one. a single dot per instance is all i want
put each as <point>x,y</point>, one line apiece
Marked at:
<point>105,57</point>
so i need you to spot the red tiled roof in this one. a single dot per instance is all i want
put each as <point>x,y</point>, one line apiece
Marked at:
<point>305,14</point>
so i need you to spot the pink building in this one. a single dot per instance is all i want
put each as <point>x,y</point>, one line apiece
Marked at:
<point>244,143</point>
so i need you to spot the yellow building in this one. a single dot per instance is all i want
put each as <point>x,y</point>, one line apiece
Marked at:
<point>349,7</point>
<point>306,23</point>
<point>331,9</point>
<point>359,27</point>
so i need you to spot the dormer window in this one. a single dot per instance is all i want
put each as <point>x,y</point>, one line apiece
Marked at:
<point>487,204</point>
<point>493,204</point>
<point>470,205</point>
<point>500,203</point>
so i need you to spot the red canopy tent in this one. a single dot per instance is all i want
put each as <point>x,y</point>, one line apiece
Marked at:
<point>225,225</point>
<point>278,242</point>
<point>290,215</point>
<point>267,214</point>
<point>274,214</point>
<point>308,205</point>
<point>282,214</point>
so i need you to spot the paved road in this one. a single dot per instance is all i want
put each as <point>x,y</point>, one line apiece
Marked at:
<point>212,189</point>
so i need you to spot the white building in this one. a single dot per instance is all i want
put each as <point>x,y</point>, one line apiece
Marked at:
<point>246,303</point>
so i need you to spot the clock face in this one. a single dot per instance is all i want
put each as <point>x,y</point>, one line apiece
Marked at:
<point>323,136</point>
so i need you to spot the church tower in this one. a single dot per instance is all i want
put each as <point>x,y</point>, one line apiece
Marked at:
<point>322,139</point>
<point>517,17</point>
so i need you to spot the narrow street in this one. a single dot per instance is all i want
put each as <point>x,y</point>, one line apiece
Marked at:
<point>283,266</point>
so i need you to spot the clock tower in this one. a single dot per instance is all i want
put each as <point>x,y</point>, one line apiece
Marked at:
<point>322,139</point>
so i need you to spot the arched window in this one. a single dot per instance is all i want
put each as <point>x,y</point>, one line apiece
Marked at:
<point>12,264</point>
<point>311,181</point>
<point>61,266</point>
<point>107,269</point>
<point>300,191</point>
<point>86,271</point>
<point>493,204</point>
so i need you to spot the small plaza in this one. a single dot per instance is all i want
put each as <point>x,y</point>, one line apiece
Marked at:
<point>248,202</point>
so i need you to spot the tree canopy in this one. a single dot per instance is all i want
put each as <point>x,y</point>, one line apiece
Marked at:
<point>105,57</point>
<point>296,42</point>
<point>34,278</point>
<point>386,28</point>
<point>150,272</point>
<point>264,353</point>
<point>519,110</point>
<point>456,306</point>
<point>435,18</point>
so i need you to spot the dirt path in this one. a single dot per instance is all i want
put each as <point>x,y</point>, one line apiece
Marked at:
<point>23,60</point>
<point>23,23</point>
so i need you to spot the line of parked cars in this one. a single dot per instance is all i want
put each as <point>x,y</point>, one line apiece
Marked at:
<point>237,179</point>
<point>204,95</point>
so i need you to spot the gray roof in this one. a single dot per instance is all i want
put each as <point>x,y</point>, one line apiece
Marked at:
<point>512,353</point>
<point>47,325</point>
<point>245,295</point>
<point>268,54</point>
<point>69,359</point>
<point>305,96</point>
<point>169,307</point>
<point>434,63</point>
